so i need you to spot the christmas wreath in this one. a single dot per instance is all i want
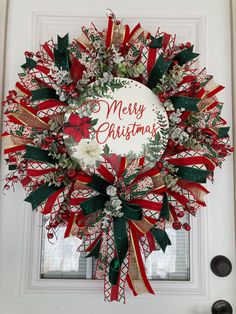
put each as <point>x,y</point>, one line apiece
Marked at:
<point>112,137</point>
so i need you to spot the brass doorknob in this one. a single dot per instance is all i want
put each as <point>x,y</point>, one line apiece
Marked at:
<point>221,307</point>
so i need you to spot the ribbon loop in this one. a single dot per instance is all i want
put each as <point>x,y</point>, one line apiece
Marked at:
<point>121,245</point>
<point>132,211</point>
<point>61,53</point>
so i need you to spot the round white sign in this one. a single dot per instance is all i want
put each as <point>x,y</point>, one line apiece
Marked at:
<point>126,119</point>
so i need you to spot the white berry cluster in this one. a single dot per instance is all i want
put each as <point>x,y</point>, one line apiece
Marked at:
<point>113,206</point>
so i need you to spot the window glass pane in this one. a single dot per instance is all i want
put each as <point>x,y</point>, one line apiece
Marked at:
<point>174,263</point>
<point>61,259</point>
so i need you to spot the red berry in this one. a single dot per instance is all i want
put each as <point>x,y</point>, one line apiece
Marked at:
<point>159,165</point>
<point>44,146</point>
<point>29,54</point>
<point>12,93</point>
<point>181,46</point>
<point>38,54</point>
<point>118,22</point>
<point>48,227</point>
<point>191,210</point>
<point>223,153</point>
<point>14,178</point>
<point>71,88</point>
<point>65,88</point>
<point>49,139</point>
<point>60,178</point>
<point>50,235</point>
<point>186,227</point>
<point>181,214</point>
<point>176,225</point>
<point>6,187</point>
<point>71,173</point>
<point>62,149</point>
<point>54,224</point>
<point>161,97</point>
<point>175,62</point>
<point>188,44</point>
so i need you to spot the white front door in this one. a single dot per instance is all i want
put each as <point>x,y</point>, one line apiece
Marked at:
<point>207,25</point>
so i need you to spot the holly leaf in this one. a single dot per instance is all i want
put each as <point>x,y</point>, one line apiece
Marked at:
<point>161,237</point>
<point>94,122</point>
<point>165,210</point>
<point>106,150</point>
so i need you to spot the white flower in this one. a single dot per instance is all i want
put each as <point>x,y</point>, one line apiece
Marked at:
<point>111,190</point>
<point>118,59</point>
<point>174,117</point>
<point>168,105</point>
<point>176,133</point>
<point>87,152</point>
<point>62,94</point>
<point>117,213</point>
<point>107,77</point>
<point>183,138</point>
<point>62,77</point>
<point>108,209</point>
<point>115,202</point>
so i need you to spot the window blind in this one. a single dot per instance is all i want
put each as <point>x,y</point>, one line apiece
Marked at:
<point>61,259</point>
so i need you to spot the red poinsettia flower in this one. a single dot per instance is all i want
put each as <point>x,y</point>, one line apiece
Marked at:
<point>77,127</point>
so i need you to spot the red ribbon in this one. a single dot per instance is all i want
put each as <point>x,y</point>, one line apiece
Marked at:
<point>147,204</point>
<point>140,260</point>
<point>39,172</point>
<point>195,160</point>
<point>109,36</point>
<point>92,245</point>
<point>166,39</point>
<point>23,89</point>
<point>25,181</point>
<point>48,104</point>
<point>14,149</point>
<point>152,53</point>
<point>69,225</point>
<point>106,174</point>
<point>215,91</point>
<point>51,201</point>
<point>48,51</point>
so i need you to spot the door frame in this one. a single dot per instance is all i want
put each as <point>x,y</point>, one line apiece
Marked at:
<point>233,51</point>
<point>3,36</point>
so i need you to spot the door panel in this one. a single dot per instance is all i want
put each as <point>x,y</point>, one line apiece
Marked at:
<point>205,23</point>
